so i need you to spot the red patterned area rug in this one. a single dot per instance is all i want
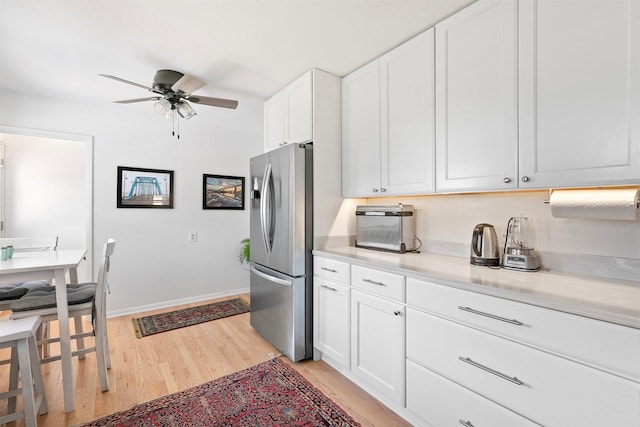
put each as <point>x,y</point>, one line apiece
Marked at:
<point>269,394</point>
<point>171,320</point>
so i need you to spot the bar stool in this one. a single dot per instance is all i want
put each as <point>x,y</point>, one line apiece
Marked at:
<point>20,335</point>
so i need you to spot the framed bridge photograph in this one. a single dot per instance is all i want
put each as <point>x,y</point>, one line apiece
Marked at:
<point>222,192</point>
<point>145,188</point>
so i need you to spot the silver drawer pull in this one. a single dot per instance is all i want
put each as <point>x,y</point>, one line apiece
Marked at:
<point>330,270</point>
<point>373,282</point>
<point>492,316</point>
<point>465,423</point>
<point>329,287</point>
<point>492,371</point>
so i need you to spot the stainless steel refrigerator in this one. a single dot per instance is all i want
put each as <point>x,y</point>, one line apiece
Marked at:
<point>281,243</point>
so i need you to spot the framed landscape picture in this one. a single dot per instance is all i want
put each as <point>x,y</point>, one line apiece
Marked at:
<point>144,188</point>
<point>222,192</point>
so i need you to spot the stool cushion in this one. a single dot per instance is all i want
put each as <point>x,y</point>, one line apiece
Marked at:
<point>9,291</point>
<point>45,296</point>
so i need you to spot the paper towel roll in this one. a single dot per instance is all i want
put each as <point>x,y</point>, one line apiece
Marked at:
<point>618,204</point>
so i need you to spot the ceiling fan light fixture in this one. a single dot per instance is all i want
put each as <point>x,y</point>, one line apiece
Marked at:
<point>171,114</point>
<point>185,110</point>
<point>163,106</point>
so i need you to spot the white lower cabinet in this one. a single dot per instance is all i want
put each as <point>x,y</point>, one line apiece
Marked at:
<point>443,403</point>
<point>441,356</point>
<point>378,344</point>
<point>547,389</point>
<point>331,320</point>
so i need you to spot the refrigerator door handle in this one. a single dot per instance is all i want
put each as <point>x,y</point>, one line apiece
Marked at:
<point>266,209</point>
<point>271,278</point>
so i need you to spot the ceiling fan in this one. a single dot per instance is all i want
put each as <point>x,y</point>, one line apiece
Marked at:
<point>173,89</point>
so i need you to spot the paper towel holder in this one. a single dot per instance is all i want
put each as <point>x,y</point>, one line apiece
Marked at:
<point>546,202</point>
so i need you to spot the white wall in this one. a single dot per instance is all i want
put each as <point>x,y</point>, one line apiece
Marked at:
<point>154,264</point>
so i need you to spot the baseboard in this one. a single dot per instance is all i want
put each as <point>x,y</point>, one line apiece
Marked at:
<point>173,303</point>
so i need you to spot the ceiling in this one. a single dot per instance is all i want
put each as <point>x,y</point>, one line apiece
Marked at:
<point>243,49</point>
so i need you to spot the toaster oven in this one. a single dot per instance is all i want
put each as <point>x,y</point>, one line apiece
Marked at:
<point>385,227</point>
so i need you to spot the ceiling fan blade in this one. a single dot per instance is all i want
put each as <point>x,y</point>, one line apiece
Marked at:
<point>130,101</point>
<point>187,85</point>
<point>215,102</point>
<point>127,82</point>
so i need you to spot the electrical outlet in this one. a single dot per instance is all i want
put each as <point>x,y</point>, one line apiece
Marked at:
<point>193,236</point>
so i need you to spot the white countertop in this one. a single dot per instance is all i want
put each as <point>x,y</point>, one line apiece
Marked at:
<point>613,301</point>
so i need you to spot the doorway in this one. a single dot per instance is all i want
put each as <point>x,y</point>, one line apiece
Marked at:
<point>46,189</point>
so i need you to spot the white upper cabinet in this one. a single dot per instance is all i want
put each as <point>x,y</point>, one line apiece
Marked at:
<point>361,132</point>
<point>408,114</point>
<point>476,89</point>
<point>538,94</point>
<point>288,115</point>
<point>388,123</point>
<point>579,93</point>
<point>274,122</point>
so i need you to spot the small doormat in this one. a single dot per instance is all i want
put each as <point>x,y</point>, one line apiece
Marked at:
<point>268,394</point>
<point>156,323</point>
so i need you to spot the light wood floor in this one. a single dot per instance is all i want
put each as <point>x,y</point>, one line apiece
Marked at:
<point>143,369</point>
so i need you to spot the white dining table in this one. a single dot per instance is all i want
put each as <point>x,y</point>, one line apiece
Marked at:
<point>24,266</point>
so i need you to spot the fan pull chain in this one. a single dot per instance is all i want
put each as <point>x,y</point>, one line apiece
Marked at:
<point>175,118</point>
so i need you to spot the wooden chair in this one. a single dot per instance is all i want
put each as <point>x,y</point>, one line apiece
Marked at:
<point>84,299</point>
<point>20,336</point>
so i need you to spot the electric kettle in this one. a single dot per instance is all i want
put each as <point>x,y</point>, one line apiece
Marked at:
<point>484,246</point>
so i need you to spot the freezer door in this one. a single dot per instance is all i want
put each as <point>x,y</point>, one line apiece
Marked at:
<point>281,311</point>
<point>281,218</point>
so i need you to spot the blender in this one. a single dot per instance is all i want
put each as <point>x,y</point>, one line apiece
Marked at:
<point>518,255</point>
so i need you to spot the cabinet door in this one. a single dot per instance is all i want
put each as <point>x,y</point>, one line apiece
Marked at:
<point>274,122</point>
<point>361,132</point>
<point>579,92</point>
<point>407,113</point>
<point>331,320</point>
<point>378,344</point>
<point>476,120</point>
<point>299,109</point>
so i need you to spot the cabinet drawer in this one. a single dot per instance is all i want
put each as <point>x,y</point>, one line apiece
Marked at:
<point>547,389</point>
<point>337,271</point>
<point>442,403</point>
<point>381,283</point>
<point>580,338</point>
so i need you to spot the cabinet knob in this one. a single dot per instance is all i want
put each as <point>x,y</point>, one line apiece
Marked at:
<point>525,179</point>
<point>382,190</point>
<point>506,180</point>
<point>283,143</point>
<point>375,190</point>
<point>396,312</point>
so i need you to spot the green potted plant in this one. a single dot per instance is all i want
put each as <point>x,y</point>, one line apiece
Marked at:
<point>245,251</point>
